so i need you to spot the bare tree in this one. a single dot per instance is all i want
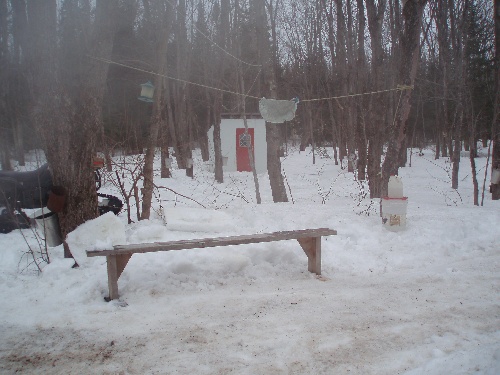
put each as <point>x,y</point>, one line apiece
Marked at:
<point>377,114</point>
<point>410,53</point>
<point>20,43</point>
<point>222,38</point>
<point>336,128</point>
<point>69,122</point>
<point>495,126</point>
<point>181,92</point>
<point>163,30</point>
<point>272,132</point>
<point>4,54</point>
<point>361,73</point>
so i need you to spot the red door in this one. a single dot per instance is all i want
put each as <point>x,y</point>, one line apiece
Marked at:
<point>243,141</point>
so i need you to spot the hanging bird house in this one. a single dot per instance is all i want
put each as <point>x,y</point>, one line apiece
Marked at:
<point>147,91</point>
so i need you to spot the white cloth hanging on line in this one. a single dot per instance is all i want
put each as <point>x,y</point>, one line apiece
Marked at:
<point>277,111</point>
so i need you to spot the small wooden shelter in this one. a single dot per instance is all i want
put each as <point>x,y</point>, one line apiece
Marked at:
<point>235,143</point>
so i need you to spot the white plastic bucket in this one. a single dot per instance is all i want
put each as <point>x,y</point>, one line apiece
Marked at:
<point>495,176</point>
<point>394,213</point>
<point>395,187</point>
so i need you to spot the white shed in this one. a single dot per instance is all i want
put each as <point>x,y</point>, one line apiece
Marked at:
<point>235,144</point>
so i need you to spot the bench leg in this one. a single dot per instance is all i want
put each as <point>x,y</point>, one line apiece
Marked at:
<point>116,264</point>
<point>312,248</point>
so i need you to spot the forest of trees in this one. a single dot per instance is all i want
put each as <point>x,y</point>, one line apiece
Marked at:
<point>71,72</point>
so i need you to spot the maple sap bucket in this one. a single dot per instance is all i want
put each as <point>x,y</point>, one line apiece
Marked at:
<point>394,213</point>
<point>57,198</point>
<point>495,176</point>
<point>48,226</point>
<point>395,187</point>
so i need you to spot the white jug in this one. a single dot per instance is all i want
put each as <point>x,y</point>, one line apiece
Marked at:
<point>395,187</point>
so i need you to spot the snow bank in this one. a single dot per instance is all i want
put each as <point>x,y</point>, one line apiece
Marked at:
<point>101,233</point>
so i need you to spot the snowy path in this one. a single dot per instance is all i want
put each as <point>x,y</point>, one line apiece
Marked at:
<point>380,324</point>
<point>422,301</point>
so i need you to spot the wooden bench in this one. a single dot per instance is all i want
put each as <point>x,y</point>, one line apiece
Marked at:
<point>118,257</point>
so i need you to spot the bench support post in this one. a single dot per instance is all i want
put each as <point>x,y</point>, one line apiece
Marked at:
<point>116,264</point>
<point>312,248</point>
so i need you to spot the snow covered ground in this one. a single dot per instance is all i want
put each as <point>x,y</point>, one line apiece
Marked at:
<point>425,300</point>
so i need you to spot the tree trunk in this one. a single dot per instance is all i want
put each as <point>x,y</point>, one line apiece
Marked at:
<point>334,130</point>
<point>222,42</point>
<point>495,126</point>
<point>219,174</point>
<point>336,127</point>
<point>181,105</point>
<point>4,50</point>
<point>20,46</point>
<point>172,130</point>
<point>165,154</point>
<point>156,122</point>
<point>472,152</point>
<point>457,148</point>
<point>458,37</point>
<point>272,131</point>
<point>377,113</point>
<point>361,139</point>
<point>19,141</point>
<point>84,205</point>
<point>308,124</point>
<point>410,48</point>
<point>438,131</point>
<point>74,124</point>
<point>203,139</point>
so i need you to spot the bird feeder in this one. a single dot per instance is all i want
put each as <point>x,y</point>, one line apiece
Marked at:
<point>147,91</point>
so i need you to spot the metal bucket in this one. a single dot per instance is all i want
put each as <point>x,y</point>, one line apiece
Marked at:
<point>48,224</point>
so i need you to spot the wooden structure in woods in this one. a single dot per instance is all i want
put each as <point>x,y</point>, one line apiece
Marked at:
<point>235,142</point>
<point>118,257</point>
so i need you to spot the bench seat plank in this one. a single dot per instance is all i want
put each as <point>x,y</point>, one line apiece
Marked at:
<point>212,242</point>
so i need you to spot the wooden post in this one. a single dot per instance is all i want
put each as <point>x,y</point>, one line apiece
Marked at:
<point>116,264</point>
<point>312,248</point>
<point>112,277</point>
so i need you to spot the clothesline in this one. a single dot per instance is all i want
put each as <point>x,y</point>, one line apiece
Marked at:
<point>397,88</point>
